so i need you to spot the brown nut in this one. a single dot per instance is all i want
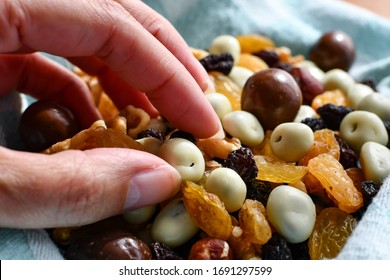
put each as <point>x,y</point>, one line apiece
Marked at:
<point>112,244</point>
<point>210,248</point>
<point>310,86</point>
<point>45,123</point>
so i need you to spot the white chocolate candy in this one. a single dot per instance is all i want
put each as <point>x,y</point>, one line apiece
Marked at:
<point>337,79</point>
<point>357,93</point>
<point>378,104</point>
<point>140,215</point>
<point>359,127</point>
<point>375,161</point>
<point>244,126</point>
<point>228,186</point>
<point>185,157</point>
<point>291,141</point>
<point>240,75</point>
<point>173,226</point>
<point>305,111</point>
<point>226,44</point>
<point>221,104</point>
<point>292,213</point>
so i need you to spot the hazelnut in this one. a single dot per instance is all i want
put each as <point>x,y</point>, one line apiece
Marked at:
<point>210,248</point>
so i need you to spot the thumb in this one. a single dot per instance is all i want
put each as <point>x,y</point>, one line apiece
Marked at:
<point>79,187</point>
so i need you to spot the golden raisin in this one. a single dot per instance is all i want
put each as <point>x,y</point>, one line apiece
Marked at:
<point>331,230</point>
<point>251,43</point>
<point>335,180</point>
<point>223,84</point>
<point>207,210</point>
<point>335,97</point>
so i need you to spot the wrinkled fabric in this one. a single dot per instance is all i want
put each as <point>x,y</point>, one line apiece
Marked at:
<point>293,23</point>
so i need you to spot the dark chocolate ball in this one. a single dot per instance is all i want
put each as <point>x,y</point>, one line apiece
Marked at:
<point>110,244</point>
<point>45,123</point>
<point>332,50</point>
<point>273,96</point>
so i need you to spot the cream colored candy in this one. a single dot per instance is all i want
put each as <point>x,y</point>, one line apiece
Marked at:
<point>240,75</point>
<point>305,111</point>
<point>357,93</point>
<point>226,44</point>
<point>185,157</point>
<point>359,127</point>
<point>244,126</point>
<point>173,226</point>
<point>337,79</point>
<point>228,186</point>
<point>378,104</point>
<point>220,103</point>
<point>291,141</point>
<point>375,161</point>
<point>140,215</point>
<point>292,213</point>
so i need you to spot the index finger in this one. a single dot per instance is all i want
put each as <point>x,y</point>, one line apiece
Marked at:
<point>107,30</point>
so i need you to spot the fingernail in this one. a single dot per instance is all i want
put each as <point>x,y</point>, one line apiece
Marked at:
<point>152,186</point>
<point>208,86</point>
<point>220,134</point>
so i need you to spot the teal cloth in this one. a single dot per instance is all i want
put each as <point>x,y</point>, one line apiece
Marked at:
<point>293,23</point>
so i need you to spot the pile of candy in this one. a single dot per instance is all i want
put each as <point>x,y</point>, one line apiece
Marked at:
<point>306,150</point>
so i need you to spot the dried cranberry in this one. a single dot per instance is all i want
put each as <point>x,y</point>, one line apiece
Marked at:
<point>218,62</point>
<point>276,249</point>
<point>348,157</point>
<point>369,191</point>
<point>156,133</point>
<point>269,57</point>
<point>315,123</point>
<point>160,251</point>
<point>241,161</point>
<point>258,190</point>
<point>184,135</point>
<point>309,85</point>
<point>333,114</point>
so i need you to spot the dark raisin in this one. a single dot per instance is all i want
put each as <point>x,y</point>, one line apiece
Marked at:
<point>333,114</point>
<point>218,62</point>
<point>369,191</point>
<point>276,249</point>
<point>160,251</point>
<point>156,133</point>
<point>315,123</point>
<point>258,190</point>
<point>358,215</point>
<point>299,251</point>
<point>241,161</point>
<point>387,126</point>
<point>348,157</point>
<point>269,57</point>
<point>284,66</point>
<point>184,135</point>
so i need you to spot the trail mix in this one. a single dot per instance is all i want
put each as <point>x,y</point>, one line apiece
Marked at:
<point>306,150</point>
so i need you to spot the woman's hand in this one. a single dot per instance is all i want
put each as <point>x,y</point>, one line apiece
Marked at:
<point>139,59</point>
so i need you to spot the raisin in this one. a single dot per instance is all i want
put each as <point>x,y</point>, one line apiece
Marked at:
<point>160,251</point>
<point>348,157</point>
<point>369,191</point>
<point>284,66</point>
<point>241,161</point>
<point>333,114</point>
<point>269,57</point>
<point>258,190</point>
<point>184,135</point>
<point>315,123</point>
<point>218,62</point>
<point>156,133</point>
<point>300,251</point>
<point>276,249</point>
